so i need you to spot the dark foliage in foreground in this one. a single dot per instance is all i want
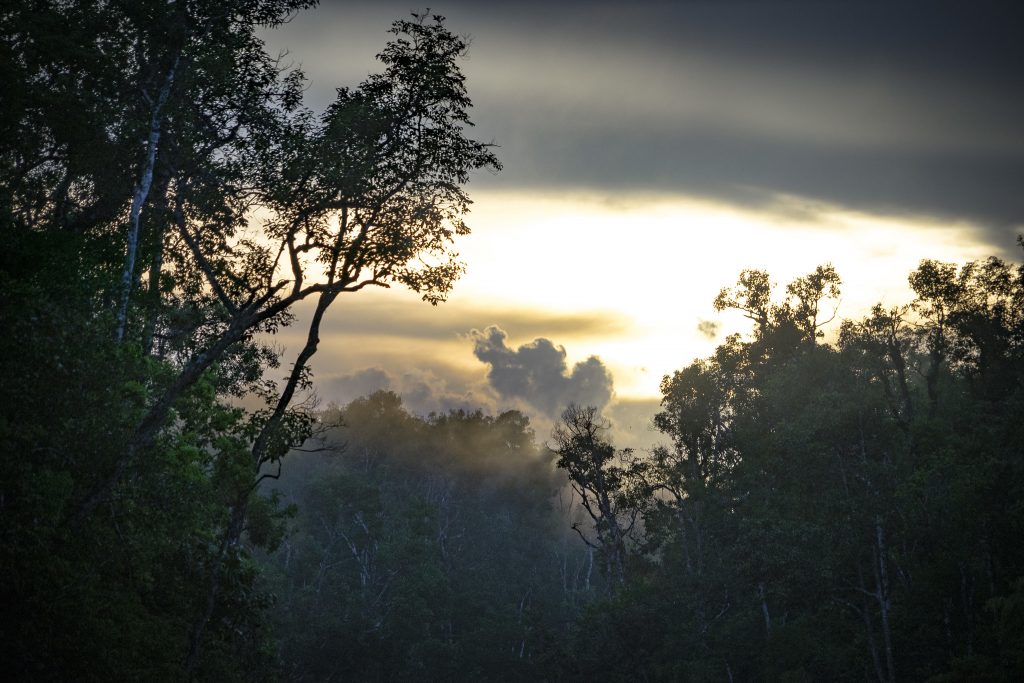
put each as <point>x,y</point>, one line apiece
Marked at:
<point>844,510</point>
<point>822,511</point>
<point>165,203</point>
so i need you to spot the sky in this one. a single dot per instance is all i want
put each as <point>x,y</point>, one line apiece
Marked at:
<point>651,151</point>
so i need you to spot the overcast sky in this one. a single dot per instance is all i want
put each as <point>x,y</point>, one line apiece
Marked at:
<point>870,134</point>
<point>895,106</point>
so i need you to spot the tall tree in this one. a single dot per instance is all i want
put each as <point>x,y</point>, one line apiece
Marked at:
<point>143,137</point>
<point>599,474</point>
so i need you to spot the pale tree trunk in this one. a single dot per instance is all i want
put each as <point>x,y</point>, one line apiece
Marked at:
<point>149,330</point>
<point>882,594</point>
<point>590,567</point>
<point>139,199</point>
<point>156,265</point>
<point>865,609</point>
<point>865,613</point>
<point>612,541</point>
<point>763,595</point>
<point>872,644</point>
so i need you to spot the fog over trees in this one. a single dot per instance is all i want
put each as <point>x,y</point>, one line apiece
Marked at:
<point>175,505</point>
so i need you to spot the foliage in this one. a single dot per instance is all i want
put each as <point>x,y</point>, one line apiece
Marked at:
<point>424,548</point>
<point>165,201</point>
<point>838,508</point>
<point>834,511</point>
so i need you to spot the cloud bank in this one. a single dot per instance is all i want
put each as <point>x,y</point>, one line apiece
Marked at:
<point>906,108</point>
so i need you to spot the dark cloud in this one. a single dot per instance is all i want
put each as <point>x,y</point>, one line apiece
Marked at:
<point>537,373</point>
<point>908,107</point>
<point>752,170</point>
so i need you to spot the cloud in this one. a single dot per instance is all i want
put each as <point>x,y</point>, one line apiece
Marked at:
<point>533,378</point>
<point>383,314</point>
<point>364,382</point>
<point>875,106</point>
<point>537,373</point>
<point>709,328</point>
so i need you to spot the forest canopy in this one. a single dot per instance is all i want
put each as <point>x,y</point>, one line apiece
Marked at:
<point>834,504</point>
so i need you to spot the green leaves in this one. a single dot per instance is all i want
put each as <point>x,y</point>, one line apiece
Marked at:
<point>132,473</point>
<point>840,507</point>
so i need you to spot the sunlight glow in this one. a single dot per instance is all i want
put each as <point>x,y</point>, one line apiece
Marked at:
<point>660,261</point>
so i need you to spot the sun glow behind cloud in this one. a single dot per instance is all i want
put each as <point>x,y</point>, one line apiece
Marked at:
<point>630,280</point>
<point>616,220</point>
<point>658,262</point>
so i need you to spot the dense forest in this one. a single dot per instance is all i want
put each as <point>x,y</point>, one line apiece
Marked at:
<point>825,500</point>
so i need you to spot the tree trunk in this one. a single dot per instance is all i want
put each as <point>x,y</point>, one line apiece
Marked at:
<point>869,629</point>
<point>765,614</point>
<point>233,531</point>
<point>139,199</point>
<point>156,265</point>
<point>882,594</point>
<point>229,540</point>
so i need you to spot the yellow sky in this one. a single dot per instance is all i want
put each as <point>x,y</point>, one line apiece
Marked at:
<point>654,265</point>
<point>670,98</point>
<point>628,280</point>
